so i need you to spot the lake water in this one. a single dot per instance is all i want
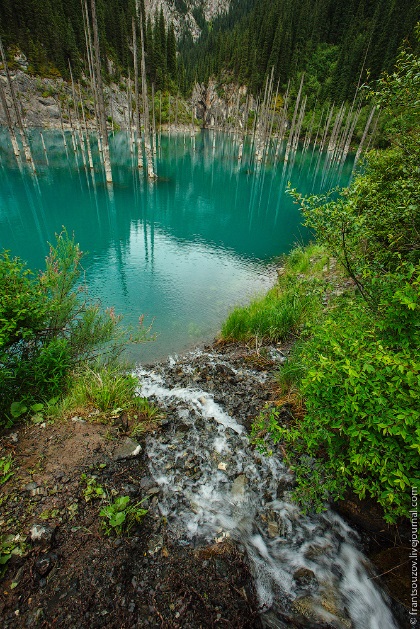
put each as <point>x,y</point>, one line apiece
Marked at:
<point>182,250</point>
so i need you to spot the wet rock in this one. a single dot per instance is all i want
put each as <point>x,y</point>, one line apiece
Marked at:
<point>304,577</point>
<point>146,483</point>
<point>130,490</point>
<point>239,485</point>
<point>127,449</point>
<point>45,563</point>
<point>42,534</point>
<point>324,611</point>
<point>315,550</point>
<point>273,529</point>
<point>30,487</point>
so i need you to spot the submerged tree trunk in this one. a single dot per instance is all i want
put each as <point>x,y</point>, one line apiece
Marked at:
<point>9,121</point>
<point>146,118</point>
<point>16,107</point>
<point>136,97</point>
<point>100,93</point>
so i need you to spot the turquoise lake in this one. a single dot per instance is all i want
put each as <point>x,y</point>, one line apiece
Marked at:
<point>182,250</point>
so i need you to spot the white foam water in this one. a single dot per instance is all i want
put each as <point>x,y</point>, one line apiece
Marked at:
<point>214,486</point>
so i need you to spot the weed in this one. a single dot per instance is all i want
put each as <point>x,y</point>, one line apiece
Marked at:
<point>120,516</point>
<point>92,490</point>
<point>9,545</point>
<point>105,388</point>
<point>6,472</point>
<point>147,416</point>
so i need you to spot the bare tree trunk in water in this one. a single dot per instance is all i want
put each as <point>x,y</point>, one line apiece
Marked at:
<point>100,92</point>
<point>146,118</point>
<point>9,121</point>
<point>136,98</point>
<point>16,107</point>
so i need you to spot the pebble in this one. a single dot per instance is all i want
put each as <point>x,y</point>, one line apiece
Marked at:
<point>42,534</point>
<point>127,449</point>
<point>273,529</point>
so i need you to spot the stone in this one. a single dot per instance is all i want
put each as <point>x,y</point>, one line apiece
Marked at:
<point>146,483</point>
<point>238,487</point>
<point>127,449</point>
<point>153,491</point>
<point>78,420</point>
<point>44,564</point>
<point>273,529</point>
<point>30,487</point>
<point>42,534</point>
<point>305,577</point>
<point>222,466</point>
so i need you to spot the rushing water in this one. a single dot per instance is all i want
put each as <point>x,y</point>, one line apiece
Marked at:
<point>182,250</point>
<point>214,486</point>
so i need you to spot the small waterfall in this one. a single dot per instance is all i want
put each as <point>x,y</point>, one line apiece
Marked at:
<point>215,486</point>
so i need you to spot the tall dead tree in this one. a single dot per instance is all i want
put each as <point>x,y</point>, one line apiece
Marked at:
<point>292,126</point>
<point>91,66</point>
<point>9,121</point>
<point>100,95</point>
<point>362,141</point>
<point>146,117</point>
<point>136,97</point>
<point>16,108</point>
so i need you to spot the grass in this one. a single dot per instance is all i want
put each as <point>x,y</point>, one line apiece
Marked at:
<point>105,388</point>
<point>293,301</point>
<point>105,394</point>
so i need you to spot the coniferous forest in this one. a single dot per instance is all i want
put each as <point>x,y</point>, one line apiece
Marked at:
<point>338,44</point>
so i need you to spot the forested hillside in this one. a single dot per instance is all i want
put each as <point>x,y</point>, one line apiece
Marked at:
<point>331,40</point>
<point>51,33</point>
<point>335,42</point>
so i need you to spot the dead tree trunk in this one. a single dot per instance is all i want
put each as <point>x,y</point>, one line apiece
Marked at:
<point>100,93</point>
<point>16,107</point>
<point>292,127</point>
<point>9,121</point>
<point>362,141</point>
<point>146,118</point>
<point>136,97</point>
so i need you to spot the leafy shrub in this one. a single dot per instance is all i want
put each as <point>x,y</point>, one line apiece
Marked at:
<point>358,372</point>
<point>120,516</point>
<point>48,326</point>
<point>362,394</point>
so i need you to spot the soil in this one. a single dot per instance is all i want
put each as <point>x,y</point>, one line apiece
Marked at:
<point>72,575</point>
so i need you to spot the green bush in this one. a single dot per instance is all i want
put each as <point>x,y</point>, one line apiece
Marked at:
<point>49,326</point>
<point>358,369</point>
<point>362,395</point>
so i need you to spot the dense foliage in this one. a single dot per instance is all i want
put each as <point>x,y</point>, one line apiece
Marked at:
<point>330,40</point>
<point>47,327</point>
<point>358,369</point>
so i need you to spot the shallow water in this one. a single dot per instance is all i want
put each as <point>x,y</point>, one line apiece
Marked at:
<point>214,486</point>
<point>182,250</point>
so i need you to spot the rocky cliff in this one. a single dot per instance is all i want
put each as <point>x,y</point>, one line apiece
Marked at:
<point>185,14</point>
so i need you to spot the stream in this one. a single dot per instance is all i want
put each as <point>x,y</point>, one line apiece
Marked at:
<point>215,486</point>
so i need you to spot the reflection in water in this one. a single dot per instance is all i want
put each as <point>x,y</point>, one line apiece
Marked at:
<point>183,249</point>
